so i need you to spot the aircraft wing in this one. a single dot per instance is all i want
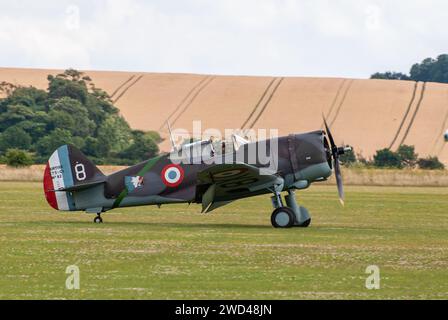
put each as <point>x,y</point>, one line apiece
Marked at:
<point>228,182</point>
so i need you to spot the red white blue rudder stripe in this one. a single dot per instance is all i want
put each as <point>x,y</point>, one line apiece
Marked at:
<point>58,175</point>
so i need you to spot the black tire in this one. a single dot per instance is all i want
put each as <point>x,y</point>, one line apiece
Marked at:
<point>282,218</point>
<point>306,224</point>
<point>98,219</point>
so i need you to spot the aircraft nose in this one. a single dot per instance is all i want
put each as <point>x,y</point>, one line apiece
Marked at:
<point>312,148</point>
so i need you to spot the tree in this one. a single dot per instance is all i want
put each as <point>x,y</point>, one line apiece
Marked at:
<point>422,71</point>
<point>72,75</point>
<point>407,155</point>
<point>155,136</point>
<point>430,163</point>
<point>143,147</point>
<point>15,137</point>
<point>100,108</point>
<point>60,87</point>
<point>390,76</point>
<point>14,114</point>
<point>387,158</point>
<point>54,140</point>
<point>7,88</point>
<point>18,158</point>
<point>26,96</point>
<point>440,70</point>
<point>71,115</point>
<point>35,127</point>
<point>114,135</point>
<point>72,111</point>
<point>91,147</point>
<point>434,70</point>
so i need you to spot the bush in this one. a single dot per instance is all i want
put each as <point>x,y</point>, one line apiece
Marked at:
<point>430,163</point>
<point>407,155</point>
<point>18,158</point>
<point>386,158</point>
<point>348,158</point>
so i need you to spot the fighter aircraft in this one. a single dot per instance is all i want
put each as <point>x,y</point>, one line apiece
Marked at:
<point>73,183</point>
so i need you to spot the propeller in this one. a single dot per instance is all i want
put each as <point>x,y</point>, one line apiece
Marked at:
<point>336,152</point>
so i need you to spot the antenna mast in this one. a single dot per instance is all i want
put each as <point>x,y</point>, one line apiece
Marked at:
<point>173,145</point>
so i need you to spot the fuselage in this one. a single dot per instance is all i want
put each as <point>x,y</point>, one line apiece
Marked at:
<point>299,159</point>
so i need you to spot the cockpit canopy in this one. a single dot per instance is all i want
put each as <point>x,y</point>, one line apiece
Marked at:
<point>206,149</point>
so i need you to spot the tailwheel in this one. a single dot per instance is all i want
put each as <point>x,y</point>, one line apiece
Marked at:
<point>282,217</point>
<point>98,219</point>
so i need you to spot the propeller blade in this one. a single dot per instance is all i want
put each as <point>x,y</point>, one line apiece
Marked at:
<point>337,167</point>
<point>337,171</point>
<point>330,136</point>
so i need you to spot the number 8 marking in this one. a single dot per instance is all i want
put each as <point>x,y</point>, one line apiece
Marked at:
<point>80,172</point>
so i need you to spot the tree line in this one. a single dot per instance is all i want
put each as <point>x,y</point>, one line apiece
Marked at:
<point>429,70</point>
<point>35,122</point>
<point>404,157</point>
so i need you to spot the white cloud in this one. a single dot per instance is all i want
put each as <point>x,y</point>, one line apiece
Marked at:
<point>39,46</point>
<point>373,17</point>
<point>270,37</point>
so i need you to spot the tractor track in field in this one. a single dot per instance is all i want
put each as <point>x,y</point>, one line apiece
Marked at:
<point>257,105</point>
<point>121,86</point>
<point>274,90</point>
<point>440,135</point>
<point>127,88</point>
<point>422,96</point>
<point>193,97</point>
<point>335,99</point>
<point>349,86</point>
<point>403,120</point>
<point>180,104</point>
<point>441,149</point>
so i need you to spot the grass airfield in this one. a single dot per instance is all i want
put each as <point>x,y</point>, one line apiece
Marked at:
<point>233,253</point>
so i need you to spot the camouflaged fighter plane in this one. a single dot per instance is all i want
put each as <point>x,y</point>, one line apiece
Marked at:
<point>74,183</point>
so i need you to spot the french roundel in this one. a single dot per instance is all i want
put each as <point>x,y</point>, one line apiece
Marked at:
<point>172,175</point>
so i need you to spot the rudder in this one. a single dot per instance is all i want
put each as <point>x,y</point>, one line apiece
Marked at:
<point>67,168</point>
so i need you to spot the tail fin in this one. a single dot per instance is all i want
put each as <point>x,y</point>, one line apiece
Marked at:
<point>67,170</point>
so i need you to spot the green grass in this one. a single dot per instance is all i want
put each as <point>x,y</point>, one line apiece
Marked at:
<point>176,252</point>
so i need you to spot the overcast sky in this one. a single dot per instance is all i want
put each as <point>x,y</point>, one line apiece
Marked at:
<point>344,38</point>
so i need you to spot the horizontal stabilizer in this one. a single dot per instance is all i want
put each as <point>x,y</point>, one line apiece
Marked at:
<point>81,186</point>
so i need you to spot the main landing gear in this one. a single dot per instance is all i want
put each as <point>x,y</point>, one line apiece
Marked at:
<point>290,215</point>
<point>282,217</point>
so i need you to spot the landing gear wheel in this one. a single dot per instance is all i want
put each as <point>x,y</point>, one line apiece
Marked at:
<point>282,217</point>
<point>306,224</point>
<point>98,219</point>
